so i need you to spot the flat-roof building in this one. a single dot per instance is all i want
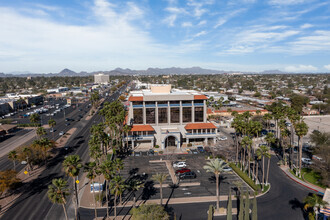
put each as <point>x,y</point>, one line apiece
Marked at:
<point>101,78</point>
<point>168,117</point>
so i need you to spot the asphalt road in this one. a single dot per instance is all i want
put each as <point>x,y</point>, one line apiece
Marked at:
<point>34,203</point>
<point>6,164</point>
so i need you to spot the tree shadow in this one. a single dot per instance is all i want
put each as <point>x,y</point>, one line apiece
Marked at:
<point>148,190</point>
<point>296,204</point>
<point>212,179</point>
<point>173,187</point>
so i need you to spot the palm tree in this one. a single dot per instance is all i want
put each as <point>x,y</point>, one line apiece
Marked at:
<point>301,129</point>
<point>118,165</point>
<point>160,178</point>
<point>267,117</point>
<point>238,125</point>
<point>134,186</point>
<point>41,132</point>
<point>35,118</point>
<point>116,185</point>
<point>57,193</point>
<point>13,156</point>
<point>215,166</point>
<point>92,172</point>
<point>262,152</point>
<point>126,130</point>
<point>52,124</point>
<point>270,139</point>
<point>72,165</point>
<point>315,202</point>
<point>107,170</point>
<point>247,143</point>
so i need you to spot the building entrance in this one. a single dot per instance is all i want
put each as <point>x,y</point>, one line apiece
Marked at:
<point>170,141</point>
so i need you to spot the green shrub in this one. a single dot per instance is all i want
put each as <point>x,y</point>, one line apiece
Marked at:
<point>189,145</point>
<point>29,125</point>
<point>161,152</point>
<point>157,146</point>
<point>244,176</point>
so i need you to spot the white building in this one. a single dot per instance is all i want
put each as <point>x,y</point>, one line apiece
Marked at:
<point>101,78</point>
<point>168,117</point>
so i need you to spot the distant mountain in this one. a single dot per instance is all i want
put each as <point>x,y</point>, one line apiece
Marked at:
<point>272,72</point>
<point>149,71</point>
<point>67,72</point>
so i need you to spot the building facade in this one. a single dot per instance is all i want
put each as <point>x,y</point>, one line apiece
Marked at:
<point>101,79</point>
<point>168,117</point>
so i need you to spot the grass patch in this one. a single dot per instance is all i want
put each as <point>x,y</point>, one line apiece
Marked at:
<point>245,177</point>
<point>312,177</point>
<point>266,188</point>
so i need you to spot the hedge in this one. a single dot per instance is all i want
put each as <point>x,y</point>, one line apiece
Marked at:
<point>244,176</point>
<point>28,125</point>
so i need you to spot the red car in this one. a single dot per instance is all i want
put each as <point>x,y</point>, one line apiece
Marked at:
<point>183,170</point>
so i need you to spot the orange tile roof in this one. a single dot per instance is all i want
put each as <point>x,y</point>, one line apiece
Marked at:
<point>200,97</point>
<point>142,128</point>
<point>135,98</point>
<point>199,126</point>
<point>209,111</point>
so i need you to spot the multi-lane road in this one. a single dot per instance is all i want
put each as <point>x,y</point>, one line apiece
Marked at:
<point>34,203</point>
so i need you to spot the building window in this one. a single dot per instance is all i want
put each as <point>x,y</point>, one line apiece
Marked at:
<point>174,102</point>
<point>175,115</point>
<point>138,116</point>
<point>137,103</point>
<point>199,113</point>
<point>198,101</point>
<point>162,115</point>
<point>151,115</point>
<point>186,114</point>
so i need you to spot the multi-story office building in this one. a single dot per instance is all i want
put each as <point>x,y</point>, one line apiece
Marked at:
<point>168,117</point>
<point>101,78</point>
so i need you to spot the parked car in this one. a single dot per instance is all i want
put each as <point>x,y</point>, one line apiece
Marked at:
<point>193,151</point>
<point>272,125</point>
<point>151,152</point>
<point>306,160</point>
<point>222,138</point>
<point>188,175</point>
<point>227,169</point>
<point>179,164</point>
<point>200,149</point>
<point>23,162</point>
<point>183,170</point>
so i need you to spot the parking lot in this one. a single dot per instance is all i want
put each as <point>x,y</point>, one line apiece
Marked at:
<point>141,167</point>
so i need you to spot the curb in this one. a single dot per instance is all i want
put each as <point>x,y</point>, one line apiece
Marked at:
<point>299,182</point>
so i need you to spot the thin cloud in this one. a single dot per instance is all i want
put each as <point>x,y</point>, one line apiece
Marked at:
<point>301,68</point>
<point>200,34</point>
<point>327,67</point>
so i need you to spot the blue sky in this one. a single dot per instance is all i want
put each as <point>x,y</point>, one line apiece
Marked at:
<point>238,35</point>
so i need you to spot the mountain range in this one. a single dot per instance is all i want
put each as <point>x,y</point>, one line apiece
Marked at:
<point>149,71</point>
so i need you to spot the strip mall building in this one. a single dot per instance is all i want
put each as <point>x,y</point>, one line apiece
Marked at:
<point>168,117</point>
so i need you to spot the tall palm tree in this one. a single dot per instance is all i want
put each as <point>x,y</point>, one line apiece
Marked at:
<point>35,118</point>
<point>52,124</point>
<point>247,143</point>
<point>118,165</point>
<point>107,169</point>
<point>267,117</point>
<point>315,202</point>
<point>116,185</point>
<point>72,165</point>
<point>301,129</point>
<point>238,125</point>
<point>126,130</point>
<point>215,166</point>
<point>13,156</point>
<point>160,178</point>
<point>284,136</point>
<point>41,132</point>
<point>262,152</point>
<point>57,193</point>
<point>92,172</point>
<point>134,186</point>
<point>270,139</point>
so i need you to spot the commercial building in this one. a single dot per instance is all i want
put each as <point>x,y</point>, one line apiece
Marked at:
<point>168,117</point>
<point>101,78</point>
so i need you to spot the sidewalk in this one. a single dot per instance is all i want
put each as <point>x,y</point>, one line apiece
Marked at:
<point>286,170</point>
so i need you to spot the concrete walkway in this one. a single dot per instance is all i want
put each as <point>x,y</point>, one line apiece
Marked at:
<point>317,189</point>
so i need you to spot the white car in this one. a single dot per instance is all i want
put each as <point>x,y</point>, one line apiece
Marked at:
<point>227,169</point>
<point>23,162</point>
<point>61,133</point>
<point>306,160</point>
<point>223,138</point>
<point>180,164</point>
